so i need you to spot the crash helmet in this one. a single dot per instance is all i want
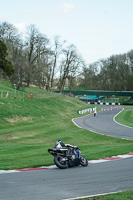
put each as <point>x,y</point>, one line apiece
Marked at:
<point>59,144</point>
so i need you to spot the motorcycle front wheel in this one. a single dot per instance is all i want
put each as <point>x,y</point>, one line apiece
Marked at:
<point>83,161</point>
<point>60,162</point>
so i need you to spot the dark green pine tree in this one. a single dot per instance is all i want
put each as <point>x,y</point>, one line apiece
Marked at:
<point>5,65</point>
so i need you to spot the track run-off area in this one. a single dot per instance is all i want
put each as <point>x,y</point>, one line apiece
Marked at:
<point>102,176</point>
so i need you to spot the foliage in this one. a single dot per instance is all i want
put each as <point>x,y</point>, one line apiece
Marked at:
<point>37,60</point>
<point>5,65</point>
<point>53,63</point>
<point>114,73</point>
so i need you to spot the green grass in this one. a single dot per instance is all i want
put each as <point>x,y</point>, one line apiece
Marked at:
<point>5,86</point>
<point>24,92</point>
<point>128,195</point>
<point>29,127</point>
<point>126,117</point>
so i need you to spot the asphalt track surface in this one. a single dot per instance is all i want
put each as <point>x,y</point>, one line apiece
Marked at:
<point>104,123</point>
<point>57,184</point>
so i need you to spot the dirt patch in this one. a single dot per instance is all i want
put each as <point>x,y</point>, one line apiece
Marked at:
<point>18,119</point>
<point>6,137</point>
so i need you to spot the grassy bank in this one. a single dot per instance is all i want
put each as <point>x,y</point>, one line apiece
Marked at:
<point>29,127</point>
<point>128,195</point>
<point>126,116</point>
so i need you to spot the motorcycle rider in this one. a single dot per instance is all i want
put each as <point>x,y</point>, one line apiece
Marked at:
<point>60,144</point>
<point>67,155</point>
<point>95,112</point>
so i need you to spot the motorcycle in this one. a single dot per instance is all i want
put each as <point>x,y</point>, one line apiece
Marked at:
<point>66,155</point>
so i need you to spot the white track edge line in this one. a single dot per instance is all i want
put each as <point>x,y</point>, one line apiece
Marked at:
<point>92,195</point>
<point>99,132</point>
<point>89,161</point>
<point>75,123</point>
<point>118,122</point>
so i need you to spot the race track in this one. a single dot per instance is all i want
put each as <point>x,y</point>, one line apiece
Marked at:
<point>57,184</point>
<point>104,123</point>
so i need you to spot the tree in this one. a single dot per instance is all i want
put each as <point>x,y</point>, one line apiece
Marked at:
<point>5,65</point>
<point>69,65</point>
<point>89,81</point>
<point>13,41</point>
<point>114,73</point>
<point>130,63</point>
<point>36,48</point>
<point>11,38</point>
<point>57,50</point>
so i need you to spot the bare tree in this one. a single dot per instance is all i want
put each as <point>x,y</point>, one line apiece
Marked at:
<point>56,51</point>
<point>70,63</point>
<point>36,48</point>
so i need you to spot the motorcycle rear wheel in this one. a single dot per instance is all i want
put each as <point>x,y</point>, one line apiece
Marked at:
<point>83,161</point>
<point>59,163</point>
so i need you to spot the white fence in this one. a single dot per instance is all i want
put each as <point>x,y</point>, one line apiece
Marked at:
<point>87,110</point>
